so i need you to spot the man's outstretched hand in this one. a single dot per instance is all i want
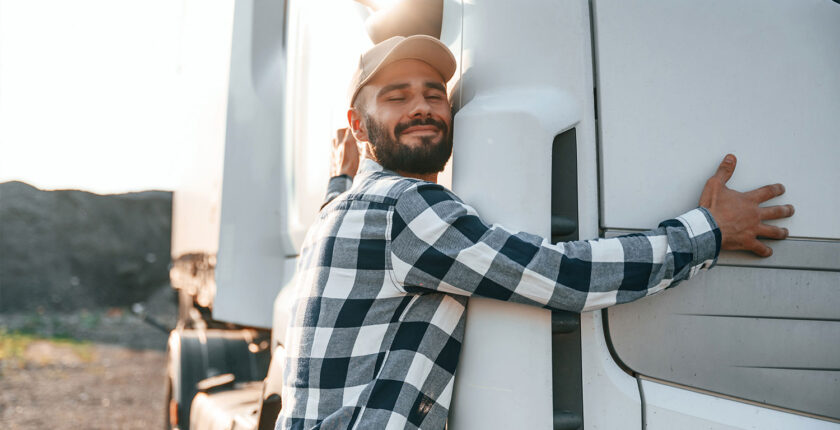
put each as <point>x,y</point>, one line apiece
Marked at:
<point>739,216</point>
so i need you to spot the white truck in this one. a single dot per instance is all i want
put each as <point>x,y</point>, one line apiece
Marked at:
<point>574,119</point>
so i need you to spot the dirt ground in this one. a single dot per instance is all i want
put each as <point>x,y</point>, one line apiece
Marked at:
<point>92,369</point>
<point>116,388</point>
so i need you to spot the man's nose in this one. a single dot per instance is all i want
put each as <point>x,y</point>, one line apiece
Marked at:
<point>420,108</point>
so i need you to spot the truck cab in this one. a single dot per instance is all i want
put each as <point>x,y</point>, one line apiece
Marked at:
<point>573,120</point>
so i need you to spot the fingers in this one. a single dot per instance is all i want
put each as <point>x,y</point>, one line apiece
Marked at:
<point>726,168</point>
<point>766,192</point>
<point>758,248</point>
<point>772,232</point>
<point>718,180</point>
<point>348,138</point>
<point>775,212</point>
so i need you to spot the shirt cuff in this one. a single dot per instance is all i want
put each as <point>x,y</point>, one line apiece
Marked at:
<point>336,186</point>
<point>705,238</point>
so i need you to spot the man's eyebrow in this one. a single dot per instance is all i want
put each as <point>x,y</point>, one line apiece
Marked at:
<point>435,86</point>
<point>428,84</point>
<point>391,87</point>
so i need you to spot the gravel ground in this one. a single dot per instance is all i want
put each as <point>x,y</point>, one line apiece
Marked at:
<point>113,388</point>
<point>91,369</point>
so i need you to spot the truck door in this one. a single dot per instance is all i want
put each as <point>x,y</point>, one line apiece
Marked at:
<point>755,343</point>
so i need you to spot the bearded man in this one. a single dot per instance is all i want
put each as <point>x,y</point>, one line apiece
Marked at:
<point>385,271</point>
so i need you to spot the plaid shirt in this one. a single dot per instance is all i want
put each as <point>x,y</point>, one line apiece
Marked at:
<point>382,286</point>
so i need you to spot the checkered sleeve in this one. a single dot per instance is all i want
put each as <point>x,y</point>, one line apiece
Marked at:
<point>439,243</point>
<point>336,186</point>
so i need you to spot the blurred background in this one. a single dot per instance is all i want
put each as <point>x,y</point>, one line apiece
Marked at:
<point>103,108</point>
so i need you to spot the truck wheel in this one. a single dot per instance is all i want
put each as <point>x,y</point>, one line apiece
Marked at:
<point>196,354</point>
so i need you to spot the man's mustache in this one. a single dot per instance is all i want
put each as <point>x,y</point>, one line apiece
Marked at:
<point>401,127</point>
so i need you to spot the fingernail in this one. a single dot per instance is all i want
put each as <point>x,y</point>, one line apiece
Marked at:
<point>728,159</point>
<point>787,233</point>
<point>792,210</point>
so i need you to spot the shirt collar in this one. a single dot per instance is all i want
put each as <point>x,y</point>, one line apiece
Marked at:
<point>368,167</point>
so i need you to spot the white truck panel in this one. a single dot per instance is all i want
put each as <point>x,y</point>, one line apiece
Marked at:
<point>526,76</point>
<point>667,408</point>
<point>683,83</point>
<point>610,396</point>
<point>253,242</point>
<point>517,337</point>
<point>202,97</point>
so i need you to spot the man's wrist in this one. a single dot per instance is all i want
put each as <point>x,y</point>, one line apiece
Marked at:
<point>705,236</point>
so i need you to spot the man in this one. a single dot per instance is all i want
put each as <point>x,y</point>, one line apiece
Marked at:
<point>386,269</point>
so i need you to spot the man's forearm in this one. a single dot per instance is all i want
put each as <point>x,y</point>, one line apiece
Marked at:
<point>439,243</point>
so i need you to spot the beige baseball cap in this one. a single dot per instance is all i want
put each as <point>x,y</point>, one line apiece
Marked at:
<point>419,47</point>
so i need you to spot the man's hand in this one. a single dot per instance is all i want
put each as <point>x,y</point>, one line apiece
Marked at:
<point>344,157</point>
<point>739,215</point>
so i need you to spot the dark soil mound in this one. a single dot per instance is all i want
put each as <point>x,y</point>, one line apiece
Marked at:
<point>72,249</point>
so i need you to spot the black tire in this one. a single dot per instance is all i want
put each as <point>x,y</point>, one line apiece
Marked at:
<point>193,355</point>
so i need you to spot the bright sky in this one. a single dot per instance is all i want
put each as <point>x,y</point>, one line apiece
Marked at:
<point>88,93</point>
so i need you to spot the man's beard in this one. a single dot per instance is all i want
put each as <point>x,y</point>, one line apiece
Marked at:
<point>427,157</point>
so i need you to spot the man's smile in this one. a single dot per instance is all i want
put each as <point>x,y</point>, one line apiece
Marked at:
<point>422,130</point>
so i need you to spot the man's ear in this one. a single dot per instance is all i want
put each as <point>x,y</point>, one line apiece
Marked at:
<point>357,126</point>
